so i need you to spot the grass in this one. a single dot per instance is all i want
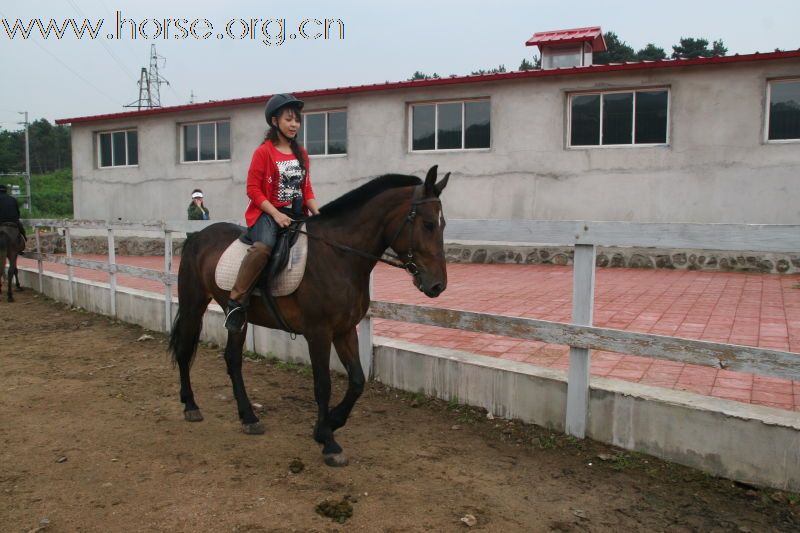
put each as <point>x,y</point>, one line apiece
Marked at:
<point>545,442</point>
<point>452,404</point>
<point>298,368</point>
<point>52,194</point>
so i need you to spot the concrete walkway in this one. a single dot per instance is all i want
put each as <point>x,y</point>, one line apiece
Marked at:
<point>748,309</point>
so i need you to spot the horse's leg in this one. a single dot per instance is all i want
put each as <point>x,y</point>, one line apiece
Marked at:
<point>10,297</point>
<point>319,347</point>
<point>15,275</point>
<point>183,341</point>
<point>3,255</point>
<point>347,348</point>
<point>233,359</point>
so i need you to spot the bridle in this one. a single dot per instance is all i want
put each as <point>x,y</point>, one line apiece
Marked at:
<point>408,264</point>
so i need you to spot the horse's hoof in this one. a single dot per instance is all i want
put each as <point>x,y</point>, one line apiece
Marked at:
<point>256,428</point>
<point>193,416</point>
<point>336,459</point>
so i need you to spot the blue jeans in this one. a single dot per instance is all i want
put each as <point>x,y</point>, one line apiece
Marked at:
<point>264,230</point>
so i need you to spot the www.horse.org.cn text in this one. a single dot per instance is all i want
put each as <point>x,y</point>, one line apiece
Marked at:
<point>268,31</point>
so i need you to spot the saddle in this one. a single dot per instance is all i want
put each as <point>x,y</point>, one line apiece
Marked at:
<point>281,254</point>
<point>282,275</point>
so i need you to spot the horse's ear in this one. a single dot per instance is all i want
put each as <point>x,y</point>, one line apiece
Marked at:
<point>430,180</point>
<point>439,187</point>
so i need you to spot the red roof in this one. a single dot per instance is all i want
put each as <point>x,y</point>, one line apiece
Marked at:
<point>593,35</point>
<point>454,80</point>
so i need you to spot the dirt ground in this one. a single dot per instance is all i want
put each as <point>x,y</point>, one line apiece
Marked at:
<point>92,438</point>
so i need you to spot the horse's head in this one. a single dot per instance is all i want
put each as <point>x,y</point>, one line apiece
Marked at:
<point>419,241</point>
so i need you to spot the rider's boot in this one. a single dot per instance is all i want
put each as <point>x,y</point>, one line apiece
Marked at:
<point>249,271</point>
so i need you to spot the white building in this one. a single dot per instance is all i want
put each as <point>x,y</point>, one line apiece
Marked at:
<point>696,140</point>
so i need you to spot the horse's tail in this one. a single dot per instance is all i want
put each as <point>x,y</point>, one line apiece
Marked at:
<point>188,321</point>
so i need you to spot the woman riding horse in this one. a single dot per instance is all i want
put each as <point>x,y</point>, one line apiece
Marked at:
<point>278,177</point>
<point>346,240</point>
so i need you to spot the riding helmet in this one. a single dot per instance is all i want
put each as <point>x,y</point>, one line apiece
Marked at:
<point>278,102</point>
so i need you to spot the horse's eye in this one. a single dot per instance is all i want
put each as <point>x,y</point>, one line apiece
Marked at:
<point>429,226</point>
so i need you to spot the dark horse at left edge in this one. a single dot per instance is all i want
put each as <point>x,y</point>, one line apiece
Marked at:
<point>346,240</point>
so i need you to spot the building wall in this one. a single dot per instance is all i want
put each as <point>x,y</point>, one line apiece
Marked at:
<point>717,168</point>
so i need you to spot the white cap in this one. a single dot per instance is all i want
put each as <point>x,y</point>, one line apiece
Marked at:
<point>197,195</point>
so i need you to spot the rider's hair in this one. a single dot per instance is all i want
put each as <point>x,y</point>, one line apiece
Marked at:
<point>272,135</point>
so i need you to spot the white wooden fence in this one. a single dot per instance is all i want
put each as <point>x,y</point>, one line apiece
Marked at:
<point>581,336</point>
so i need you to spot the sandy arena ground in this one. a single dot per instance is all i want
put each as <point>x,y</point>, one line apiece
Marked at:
<point>92,439</point>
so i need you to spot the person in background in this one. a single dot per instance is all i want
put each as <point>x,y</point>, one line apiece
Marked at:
<point>197,211</point>
<point>9,213</point>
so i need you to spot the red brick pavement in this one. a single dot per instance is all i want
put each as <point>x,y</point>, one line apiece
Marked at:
<point>747,309</point>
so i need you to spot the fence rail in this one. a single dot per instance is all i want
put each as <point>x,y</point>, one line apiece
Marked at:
<point>581,336</point>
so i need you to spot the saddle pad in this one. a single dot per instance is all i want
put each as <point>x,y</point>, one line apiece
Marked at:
<point>285,283</point>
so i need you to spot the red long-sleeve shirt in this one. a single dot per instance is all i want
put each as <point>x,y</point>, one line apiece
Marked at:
<point>267,182</point>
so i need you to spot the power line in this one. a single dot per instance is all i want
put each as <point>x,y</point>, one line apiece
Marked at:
<point>105,46</point>
<point>87,82</point>
<point>48,52</point>
<point>131,48</point>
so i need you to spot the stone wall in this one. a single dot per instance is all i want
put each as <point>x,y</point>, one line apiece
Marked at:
<point>54,243</point>
<point>674,259</point>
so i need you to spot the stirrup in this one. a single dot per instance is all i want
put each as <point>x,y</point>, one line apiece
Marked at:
<point>235,318</point>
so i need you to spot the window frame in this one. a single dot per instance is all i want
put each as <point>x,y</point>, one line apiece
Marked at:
<point>127,155</point>
<point>633,144</point>
<point>462,101</point>
<point>182,147</point>
<point>767,140</point>
<point>326,112</point>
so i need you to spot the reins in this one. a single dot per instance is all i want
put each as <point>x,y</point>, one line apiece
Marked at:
<point>408,264</point>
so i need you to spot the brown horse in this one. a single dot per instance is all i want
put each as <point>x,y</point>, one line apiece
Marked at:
<point>9,248</point>
<point>347,239</point>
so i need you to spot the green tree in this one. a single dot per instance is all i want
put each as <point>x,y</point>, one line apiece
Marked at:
<point>691,47</point>
<point>422,76</point>
<point>496,70</point>
<point>651,52</point>
<point>536,64</point>
<point>12,151</point>
<point>618,51</point>
<point>49,148</point>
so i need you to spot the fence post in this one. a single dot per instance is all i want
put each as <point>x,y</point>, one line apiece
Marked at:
<point>167,282</point>
<point>68,244</point>
<point>39,262</point>
<point>580,358</point>
<point>365,347</point>
<point>112,272</point>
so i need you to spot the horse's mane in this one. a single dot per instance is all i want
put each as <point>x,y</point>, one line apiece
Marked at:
<point>359,196</point>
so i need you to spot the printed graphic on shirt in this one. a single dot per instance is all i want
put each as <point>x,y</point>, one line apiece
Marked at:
<point>291,182</point>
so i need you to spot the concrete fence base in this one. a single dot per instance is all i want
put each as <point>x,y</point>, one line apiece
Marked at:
<point>749,443</point>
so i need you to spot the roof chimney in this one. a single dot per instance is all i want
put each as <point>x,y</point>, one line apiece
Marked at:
<point>568,48</point>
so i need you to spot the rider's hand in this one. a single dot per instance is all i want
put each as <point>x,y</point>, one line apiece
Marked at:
<point>282,220</point>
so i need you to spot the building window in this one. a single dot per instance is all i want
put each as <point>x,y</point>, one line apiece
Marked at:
<point>450,125</point>
<point>619,118</point>
<point>324,133</point>
<point>206,141</point>
<point>784,110</point>
<point>118,148</point>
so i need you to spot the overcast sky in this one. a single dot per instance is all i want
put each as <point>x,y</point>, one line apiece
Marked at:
<point>72,77</point>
